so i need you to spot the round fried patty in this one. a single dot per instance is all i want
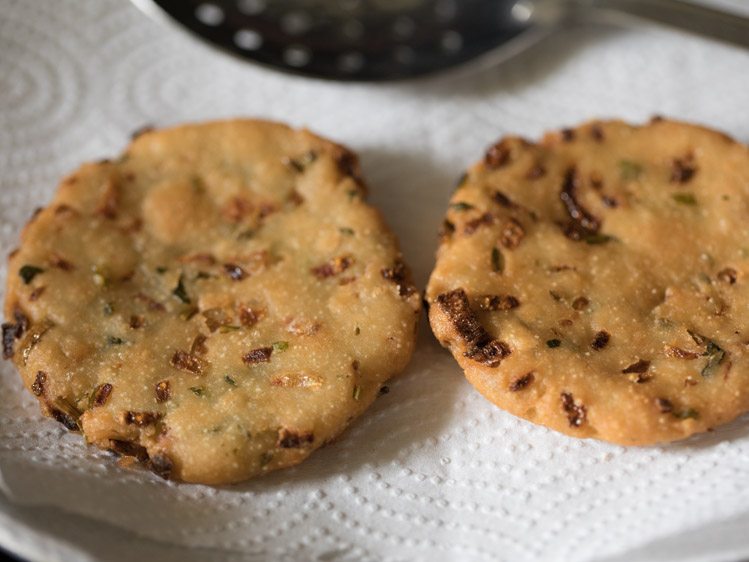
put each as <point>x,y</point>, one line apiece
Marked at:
<point>218,302</point>
<point>597,282</point>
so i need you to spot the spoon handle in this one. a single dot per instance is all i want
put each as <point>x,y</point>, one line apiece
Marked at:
<point>709,22</point>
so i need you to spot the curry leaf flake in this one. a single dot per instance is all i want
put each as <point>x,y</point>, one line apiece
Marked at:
<point>180,292</point>
<point>498,261</point>
<point>715,356</point>
<point>461,206</point>
<point>28,272</point>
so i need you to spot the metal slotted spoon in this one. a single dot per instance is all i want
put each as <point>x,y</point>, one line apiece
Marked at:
<point>392,39</point>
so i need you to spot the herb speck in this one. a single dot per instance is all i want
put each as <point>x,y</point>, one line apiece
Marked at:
<point>280,346</point>
<point>594,239</point>
<point>689,413</point>
<point>629,170</point>
<point>684,198</point>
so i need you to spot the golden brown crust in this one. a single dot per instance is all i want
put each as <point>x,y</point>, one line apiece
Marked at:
<point>199,304</point>
<point>623,252</point>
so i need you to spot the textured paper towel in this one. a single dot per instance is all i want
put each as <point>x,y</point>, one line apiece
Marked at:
<point>432,471</point>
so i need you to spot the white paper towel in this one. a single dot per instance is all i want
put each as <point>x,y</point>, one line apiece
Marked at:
<point>432,471</point>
